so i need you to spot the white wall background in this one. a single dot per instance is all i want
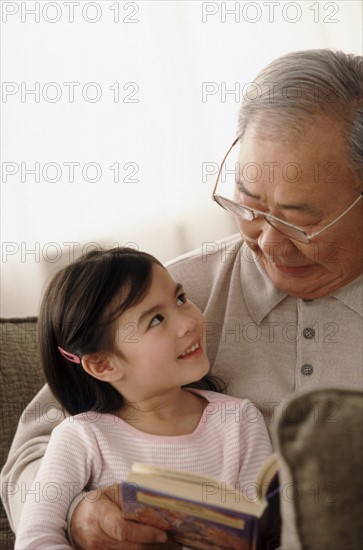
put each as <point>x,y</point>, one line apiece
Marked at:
<point>138,71</point>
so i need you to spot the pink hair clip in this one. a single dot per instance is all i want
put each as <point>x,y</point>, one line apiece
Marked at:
<point>70,356</point>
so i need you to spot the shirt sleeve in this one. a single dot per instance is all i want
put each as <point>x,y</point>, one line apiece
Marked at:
<point>64,472</point>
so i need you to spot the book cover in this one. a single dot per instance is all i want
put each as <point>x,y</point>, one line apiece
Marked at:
<point>198,512</point>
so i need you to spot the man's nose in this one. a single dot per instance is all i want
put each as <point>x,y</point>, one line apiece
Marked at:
<point>275,245</point>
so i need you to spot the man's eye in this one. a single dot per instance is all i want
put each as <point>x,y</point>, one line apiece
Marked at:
<point>181,299</point>
<point>303,224</point>
<point>156,320</point>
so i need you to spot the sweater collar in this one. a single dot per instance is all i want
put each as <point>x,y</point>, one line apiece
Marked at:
<point>261,296</point>
<point>351,295</point>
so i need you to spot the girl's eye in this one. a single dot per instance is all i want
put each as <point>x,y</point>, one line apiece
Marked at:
<point>181,299</point>
<point>156,320</point>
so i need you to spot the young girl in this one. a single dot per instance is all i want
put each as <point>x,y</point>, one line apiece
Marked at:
<point>122,350</point>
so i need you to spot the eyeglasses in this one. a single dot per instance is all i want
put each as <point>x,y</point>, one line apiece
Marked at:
<point>293,231</point>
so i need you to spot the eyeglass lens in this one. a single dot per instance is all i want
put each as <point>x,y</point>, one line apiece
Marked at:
<point>248,215</point>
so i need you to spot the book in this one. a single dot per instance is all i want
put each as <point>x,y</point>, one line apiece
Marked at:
<point>198,512</point>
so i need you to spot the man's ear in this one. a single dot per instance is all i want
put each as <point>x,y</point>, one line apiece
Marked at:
<point>102,366</point>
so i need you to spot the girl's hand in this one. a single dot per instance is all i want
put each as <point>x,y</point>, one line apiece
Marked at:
<point>100,524</point>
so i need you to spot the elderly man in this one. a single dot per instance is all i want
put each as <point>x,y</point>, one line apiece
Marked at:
<point>283,300</point>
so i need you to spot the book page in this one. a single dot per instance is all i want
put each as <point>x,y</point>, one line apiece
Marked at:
<point>178,475</point>
<point>266,474</point>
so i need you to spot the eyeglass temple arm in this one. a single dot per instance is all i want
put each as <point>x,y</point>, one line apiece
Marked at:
<point>334,221</point>
<point>221,166</point>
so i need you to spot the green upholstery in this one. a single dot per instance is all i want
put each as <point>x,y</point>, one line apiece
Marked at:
<point>21,378</point>
<point>320,439</point>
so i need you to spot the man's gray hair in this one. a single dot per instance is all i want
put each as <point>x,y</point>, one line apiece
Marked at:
<point>303,84</point>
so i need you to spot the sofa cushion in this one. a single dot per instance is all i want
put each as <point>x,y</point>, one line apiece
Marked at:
<point>21,377</point>
<point>320,439</point>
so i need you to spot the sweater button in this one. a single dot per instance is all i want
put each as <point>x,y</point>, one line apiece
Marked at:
<point>307,369</point>
<point>308,333</point>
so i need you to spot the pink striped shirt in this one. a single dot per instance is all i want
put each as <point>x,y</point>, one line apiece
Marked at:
<point>91,450</point>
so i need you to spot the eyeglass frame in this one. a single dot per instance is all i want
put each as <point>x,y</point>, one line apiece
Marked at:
<point>305,237</point>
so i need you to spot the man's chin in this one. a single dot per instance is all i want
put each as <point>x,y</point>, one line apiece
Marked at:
<point>298,282</point>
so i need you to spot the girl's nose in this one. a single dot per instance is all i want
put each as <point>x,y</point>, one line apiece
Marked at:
<point>184,324</point>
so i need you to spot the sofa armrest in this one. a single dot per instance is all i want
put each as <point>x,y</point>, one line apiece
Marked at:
<point>319,436</point>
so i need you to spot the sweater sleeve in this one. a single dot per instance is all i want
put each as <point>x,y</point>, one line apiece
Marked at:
<point>27,450</point>
<point>255,447</point>
<point>64,472</point>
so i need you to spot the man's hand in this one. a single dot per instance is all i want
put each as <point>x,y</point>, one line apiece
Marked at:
<point>98,523</point>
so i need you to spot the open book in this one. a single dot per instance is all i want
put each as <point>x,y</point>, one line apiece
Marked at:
<point>198,512</point>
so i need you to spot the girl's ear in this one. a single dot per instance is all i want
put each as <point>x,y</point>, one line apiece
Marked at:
<point>101,366</point>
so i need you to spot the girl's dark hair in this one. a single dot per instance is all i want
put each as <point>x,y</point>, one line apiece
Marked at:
<point>76,314</point>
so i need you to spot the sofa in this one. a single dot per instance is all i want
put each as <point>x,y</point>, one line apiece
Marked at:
<point>21,378</point>
<point>319,438</point>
